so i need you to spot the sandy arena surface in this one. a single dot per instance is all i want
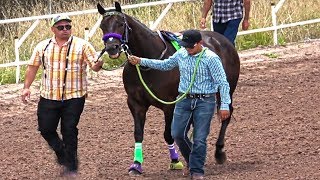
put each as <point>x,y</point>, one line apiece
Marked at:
<point>275,134</point>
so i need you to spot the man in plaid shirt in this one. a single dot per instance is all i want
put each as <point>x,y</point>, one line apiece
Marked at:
<point>63,89</point>
<point>227,15</point>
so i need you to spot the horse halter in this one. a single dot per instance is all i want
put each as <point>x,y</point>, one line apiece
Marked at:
<point>124,38</point>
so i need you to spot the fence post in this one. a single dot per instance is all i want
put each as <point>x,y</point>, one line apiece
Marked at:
<point>211,23</point>
<point>16,52</point>
<point>163,13</point>
<point>150,23</point>
<point>86,34</point>
<point>86,37</point>
<point>274,24</point>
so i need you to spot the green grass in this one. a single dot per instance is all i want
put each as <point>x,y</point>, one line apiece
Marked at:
<point>7,75</point>
<point>271,55</point>
<point>182,16</point>
<point>111,64</point>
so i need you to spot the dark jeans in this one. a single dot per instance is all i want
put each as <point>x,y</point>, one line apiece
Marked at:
<point>201,110</point>
<point>49,113</point>
<point>228,29</point>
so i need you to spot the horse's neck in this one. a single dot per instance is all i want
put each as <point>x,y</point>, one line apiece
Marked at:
<point>140,31</point>
<point>146,37</point>
<point>142,38</point>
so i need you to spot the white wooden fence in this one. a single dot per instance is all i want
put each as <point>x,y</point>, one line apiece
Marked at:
<point>89,33</point>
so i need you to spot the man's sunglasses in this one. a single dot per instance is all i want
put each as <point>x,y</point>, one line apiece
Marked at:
<point>60,28</point>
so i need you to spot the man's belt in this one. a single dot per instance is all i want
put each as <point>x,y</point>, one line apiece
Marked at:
<point>199,95</point>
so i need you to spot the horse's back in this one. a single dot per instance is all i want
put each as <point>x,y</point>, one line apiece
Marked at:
<point>227,52</point>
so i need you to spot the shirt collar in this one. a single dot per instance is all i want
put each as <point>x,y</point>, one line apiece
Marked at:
<point>195,55</point>
<point>53,39</point>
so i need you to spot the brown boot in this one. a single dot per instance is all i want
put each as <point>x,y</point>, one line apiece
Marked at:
<point>186,172</point>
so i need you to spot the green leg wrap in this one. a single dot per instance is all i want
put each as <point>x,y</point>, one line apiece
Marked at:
<point>138,155</point>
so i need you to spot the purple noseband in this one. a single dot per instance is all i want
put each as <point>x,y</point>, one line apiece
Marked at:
<point>109,35</point>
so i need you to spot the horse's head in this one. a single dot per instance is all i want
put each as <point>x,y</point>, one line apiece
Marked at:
<point>115,30</point>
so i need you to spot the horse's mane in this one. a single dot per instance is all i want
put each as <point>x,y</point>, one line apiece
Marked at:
<point>139,22</point>
<point>128,17</point>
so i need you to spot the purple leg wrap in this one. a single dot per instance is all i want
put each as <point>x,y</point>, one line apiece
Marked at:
<point>173,153</point>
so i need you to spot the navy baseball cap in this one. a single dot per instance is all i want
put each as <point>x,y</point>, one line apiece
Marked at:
<point>190,38</point>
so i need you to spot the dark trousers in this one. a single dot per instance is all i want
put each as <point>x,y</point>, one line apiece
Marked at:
<point>228,29</point>
<point>49,113</point>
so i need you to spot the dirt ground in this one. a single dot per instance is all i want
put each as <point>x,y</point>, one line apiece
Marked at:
<point>275,134</point>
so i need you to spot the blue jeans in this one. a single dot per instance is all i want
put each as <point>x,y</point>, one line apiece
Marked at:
<point>199,113</point>
<point>228,29</point>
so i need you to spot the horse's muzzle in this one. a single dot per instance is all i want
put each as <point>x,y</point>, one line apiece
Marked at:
<point>114,53</point>
<point>114,56</point>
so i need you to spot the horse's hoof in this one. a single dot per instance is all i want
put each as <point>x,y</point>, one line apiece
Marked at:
<point>221,157</point>
<point>176,165</point>
<point>134,173</point>
<point>135,169</point>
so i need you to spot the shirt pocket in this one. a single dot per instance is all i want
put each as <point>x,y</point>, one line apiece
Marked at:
<point>74,66</point>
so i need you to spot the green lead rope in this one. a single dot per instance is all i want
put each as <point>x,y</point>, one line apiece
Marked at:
<point>184,94</point>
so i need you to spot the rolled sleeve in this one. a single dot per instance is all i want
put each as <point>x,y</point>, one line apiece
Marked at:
<point>35,59</point>
<point>90,54</point>
<point>162,65</point>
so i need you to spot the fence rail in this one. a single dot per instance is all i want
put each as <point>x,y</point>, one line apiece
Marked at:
<point>18,42</point>
<point>89,33</point>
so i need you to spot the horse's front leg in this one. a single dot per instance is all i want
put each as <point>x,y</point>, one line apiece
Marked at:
<point>168,115</point>
<point>138,111</point>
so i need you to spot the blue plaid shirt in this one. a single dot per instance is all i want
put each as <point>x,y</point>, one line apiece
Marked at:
<point>210,76</point>
<point>226,10</point>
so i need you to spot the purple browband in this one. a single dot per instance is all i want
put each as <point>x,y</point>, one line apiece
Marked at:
<point>109,35</point>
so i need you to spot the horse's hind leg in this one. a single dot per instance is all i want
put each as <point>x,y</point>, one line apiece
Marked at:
<point>220,154</point>
<point>175,163</point>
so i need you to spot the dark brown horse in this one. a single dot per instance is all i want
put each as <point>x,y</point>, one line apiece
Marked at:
<point>125,33</point>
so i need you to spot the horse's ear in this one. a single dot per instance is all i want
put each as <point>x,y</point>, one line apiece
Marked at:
<point>117,5</point>
<point>101,10</point>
